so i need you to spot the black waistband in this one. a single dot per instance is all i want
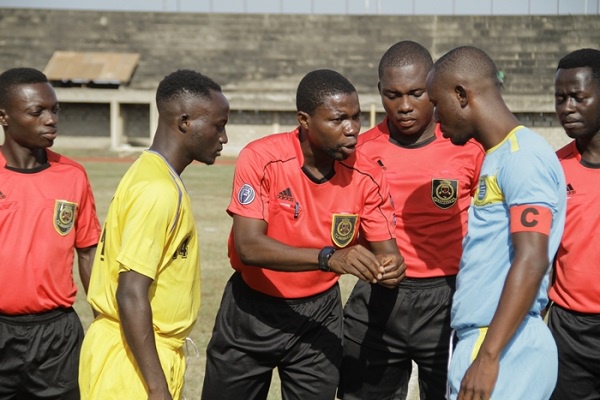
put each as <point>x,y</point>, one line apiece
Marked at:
<point>239,280</point>
<point>428,282</point>
<point>39,318</point>
<point>576,313</point>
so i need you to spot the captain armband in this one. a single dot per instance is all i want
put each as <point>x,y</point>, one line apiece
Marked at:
<point>530,218</point>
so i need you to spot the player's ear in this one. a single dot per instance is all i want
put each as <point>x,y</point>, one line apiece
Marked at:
<point>183,122</point>
<point>462,95</point>
<point>303,119</point>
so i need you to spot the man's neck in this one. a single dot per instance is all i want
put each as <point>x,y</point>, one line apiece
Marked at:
<point>23,158</point>
<point>589,148</point>
<point>410,140</point>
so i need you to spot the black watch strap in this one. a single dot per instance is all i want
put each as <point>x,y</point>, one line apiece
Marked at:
<point>324,256</point>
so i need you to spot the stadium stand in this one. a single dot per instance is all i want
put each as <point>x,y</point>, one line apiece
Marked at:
<point>259,59</point>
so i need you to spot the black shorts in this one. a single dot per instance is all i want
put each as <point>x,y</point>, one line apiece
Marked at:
<point>255,333</point>
<point>577,337</point>
<point>39,355</point>
<point>386,329</point>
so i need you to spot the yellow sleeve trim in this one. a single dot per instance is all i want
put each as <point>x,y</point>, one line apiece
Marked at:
<point>514,144</point>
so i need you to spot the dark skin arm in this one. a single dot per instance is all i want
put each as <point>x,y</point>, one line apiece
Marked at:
<point>256,248</point>
<point>85,259</point>
<point>522,283</point>
<point>136,322</point>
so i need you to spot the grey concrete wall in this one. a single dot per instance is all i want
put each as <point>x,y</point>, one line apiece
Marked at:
<point>269,52</point>
<point>259,59</point>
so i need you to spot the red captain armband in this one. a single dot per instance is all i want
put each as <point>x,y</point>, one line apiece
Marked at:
<point>530,218</point>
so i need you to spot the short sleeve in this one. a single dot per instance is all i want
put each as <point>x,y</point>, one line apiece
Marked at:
<point>527,179</point>
<point>250,193</point>
<point>88,226</point>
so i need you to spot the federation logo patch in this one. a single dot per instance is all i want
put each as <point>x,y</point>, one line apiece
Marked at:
<point>482,190</point>
<point>488,192</point>
<point>64,216</point>
<point>444,192</point>
<point>343,229</point>
<point>246,194</point>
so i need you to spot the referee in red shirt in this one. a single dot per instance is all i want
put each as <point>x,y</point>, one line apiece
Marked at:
<point>300,201</point>
<point>47,211</point>
<point>574,317</point>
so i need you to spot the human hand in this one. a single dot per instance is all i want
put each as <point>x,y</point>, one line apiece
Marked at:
<point>479,380</point>
<point>357,261</point>
<point>395,269</point>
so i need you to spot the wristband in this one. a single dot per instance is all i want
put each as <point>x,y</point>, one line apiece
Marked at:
<point>324,256</point>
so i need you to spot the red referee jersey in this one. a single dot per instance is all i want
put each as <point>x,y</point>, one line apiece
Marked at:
<point>44,215</point>
<point>577,280</point>
<point>432,185</point>
<point>269,184</point>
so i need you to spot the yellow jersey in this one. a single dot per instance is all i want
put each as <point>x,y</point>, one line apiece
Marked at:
<point>150,229</point>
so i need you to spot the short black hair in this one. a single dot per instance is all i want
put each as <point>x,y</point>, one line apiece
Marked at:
<point>184,82</point>
<point>582,58</point>
<point>16,77</point>
<point>468,61</point>
<point>319,84</point>
<point>404,53</point>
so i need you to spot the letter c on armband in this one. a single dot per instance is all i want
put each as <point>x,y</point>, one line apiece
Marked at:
<point>530,218</point>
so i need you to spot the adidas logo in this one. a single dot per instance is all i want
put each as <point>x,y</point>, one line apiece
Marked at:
<point>570,189</point>
<point>286,194</point>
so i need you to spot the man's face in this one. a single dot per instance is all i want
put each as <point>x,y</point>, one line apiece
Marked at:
<point>447,109</point>
<point>208,121</point>
<point>405,100</point>
<point>31,116</point>
<point>577,101</point>
<point>334,126</point>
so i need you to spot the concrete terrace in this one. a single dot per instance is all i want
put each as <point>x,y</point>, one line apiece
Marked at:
<point>259,58</point>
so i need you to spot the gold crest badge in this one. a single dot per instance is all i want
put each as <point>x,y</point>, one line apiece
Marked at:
<point>64,216</point>
<point>444,192</point>
<point>343,229</point>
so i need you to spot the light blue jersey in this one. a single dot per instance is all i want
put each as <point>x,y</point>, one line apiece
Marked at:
<point>522,169</point>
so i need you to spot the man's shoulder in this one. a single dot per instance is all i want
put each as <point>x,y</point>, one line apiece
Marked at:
<point>523,143</point>
<point>59,159</point>
<point>363,162</point>
<point>568,151</point>
<point>532,139</point>
<point>273,146</point>
<point>472,146</point>
<point>272,138</point>
<point>372,136</point>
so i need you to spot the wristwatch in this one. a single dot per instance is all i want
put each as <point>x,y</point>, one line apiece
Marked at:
<point>324,256</point>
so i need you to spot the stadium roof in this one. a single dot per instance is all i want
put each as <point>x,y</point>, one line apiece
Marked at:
<point>84,68</point>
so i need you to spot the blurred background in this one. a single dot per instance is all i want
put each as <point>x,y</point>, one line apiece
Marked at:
<point>105,58</point>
